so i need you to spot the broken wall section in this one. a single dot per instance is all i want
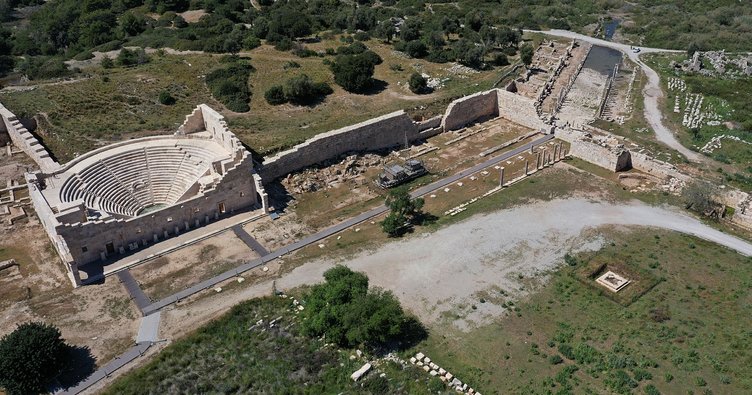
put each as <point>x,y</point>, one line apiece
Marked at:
<point>23,139</point>
<point>469,109</point>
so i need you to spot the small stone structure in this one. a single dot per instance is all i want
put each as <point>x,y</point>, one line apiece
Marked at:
<point>612,281</point>
<point>23,139</point>
<point>137,192</point>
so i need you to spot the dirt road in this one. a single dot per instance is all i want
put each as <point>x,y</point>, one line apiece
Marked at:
<point>652,92</point>
<point>439,276</point>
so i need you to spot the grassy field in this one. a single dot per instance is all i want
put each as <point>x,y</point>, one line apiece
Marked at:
<point>121,103</point>
<point>687,334</point>
<point>729,98</point>
<point>244,352</point>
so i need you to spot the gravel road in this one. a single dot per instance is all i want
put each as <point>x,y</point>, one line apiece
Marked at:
<point>445,271</point>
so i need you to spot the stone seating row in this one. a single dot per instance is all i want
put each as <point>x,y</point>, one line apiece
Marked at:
<point>127,182</point>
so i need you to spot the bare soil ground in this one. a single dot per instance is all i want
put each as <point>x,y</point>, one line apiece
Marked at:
<point>173,272</point>
<point>100,317</point>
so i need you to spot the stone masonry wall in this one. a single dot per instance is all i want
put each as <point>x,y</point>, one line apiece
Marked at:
<point>23,139</point>
<point>383,132</point>
<point>466,110</point>
<point>518,109</point>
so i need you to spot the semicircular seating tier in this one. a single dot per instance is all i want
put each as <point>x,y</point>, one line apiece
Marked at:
<point>128,179</point>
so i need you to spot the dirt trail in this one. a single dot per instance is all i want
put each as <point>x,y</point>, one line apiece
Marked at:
<point>652,92</point>
<point>439,276</point>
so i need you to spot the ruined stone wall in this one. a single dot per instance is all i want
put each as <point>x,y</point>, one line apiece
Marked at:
<point>24,140</point>
<point>518,109</point>
<point>383,132</point>
<point>469,109</point>
<point>660,169</point>
<point>49,223</point>
<point>4,137</point>
<point>608,157</point>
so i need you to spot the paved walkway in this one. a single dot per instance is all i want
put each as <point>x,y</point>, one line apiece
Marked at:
<point>652,92</point>
<point>249,240</point>
<point>209,283</point>
<point>121,360</point>
<point>131,285</point>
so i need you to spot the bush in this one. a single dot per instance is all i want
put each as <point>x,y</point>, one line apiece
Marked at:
<point>166,98</point>
<point>526,54</point>
<point>500,59</point>
<point>126,57</point>
<point>555,359</point>
<point>300,89</point>
<point>107,63</point>
<point>30,357</point>
<point>416,49</point>
<point>229,85</point>
<point>418,83</point>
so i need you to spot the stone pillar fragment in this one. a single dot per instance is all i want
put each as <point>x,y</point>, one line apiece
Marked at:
<point>501,177</point>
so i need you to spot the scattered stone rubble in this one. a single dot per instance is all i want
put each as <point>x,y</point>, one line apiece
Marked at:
<point>422,361</point>
<point>351,168</point>
<point>720,61</point>
<point>715,143</point>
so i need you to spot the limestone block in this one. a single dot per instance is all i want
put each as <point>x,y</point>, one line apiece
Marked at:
<point>413,360</point>
<point>442,371</point>
<point>360,372</point>
<point>433,373</point>
<point>426,368</point>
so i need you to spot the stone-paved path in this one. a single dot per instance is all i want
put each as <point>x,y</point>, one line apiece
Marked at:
<point>249,240</point>
<point>134,290</point>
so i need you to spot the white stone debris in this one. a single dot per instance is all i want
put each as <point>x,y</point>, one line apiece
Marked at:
<point>360,372</point>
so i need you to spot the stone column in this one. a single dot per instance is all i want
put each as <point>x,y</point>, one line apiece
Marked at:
<point>532,149</point>
<point>537,161</point>
<point>543,158</point>
<point>526,163</point>
<point>501,177</point>
<point>561,151</point>
<point>556,152</point>
<point>156,238</point>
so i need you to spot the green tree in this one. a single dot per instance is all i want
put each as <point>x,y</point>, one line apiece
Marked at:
<point>301,89</point>
<point>132,24</point>
<point>416,49</point>
<point>354,73</point>
<point>526,54</point>
<point>30,357</point>
<point>418,83</point>
<point>699,196</point>
<point>346,312</point>
<point>385,30</point>
<point>404,212</point>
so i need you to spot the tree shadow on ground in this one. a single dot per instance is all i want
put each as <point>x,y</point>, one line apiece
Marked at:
<point>377,86</point>
<point>80,364</point>
<point>413,332</point>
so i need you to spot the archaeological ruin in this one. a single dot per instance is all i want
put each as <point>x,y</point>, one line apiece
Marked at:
<point>131,194</point>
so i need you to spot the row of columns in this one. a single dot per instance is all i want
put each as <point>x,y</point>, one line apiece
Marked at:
<point>543,159</point>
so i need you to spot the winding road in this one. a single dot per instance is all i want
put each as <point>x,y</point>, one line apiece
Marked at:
<point>652,92</point>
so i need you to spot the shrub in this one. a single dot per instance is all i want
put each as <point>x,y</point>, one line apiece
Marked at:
<point>229,85</point>
<point>300,89</point>
<point>126,57</point>
<point>555,359</point>
<point>500,59</point>
<point>404,212</point>
<point>416,49</point>
<point>566,350</point>
<point>107,63</point>
<point>418,83</point>
<point>166,98</point>
<point>526,54</point>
